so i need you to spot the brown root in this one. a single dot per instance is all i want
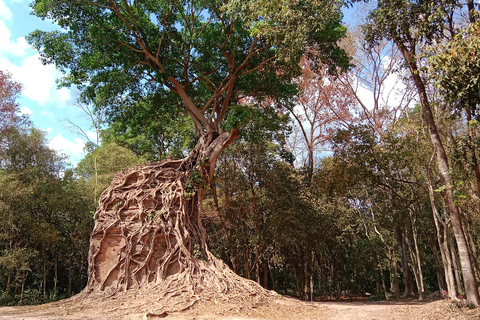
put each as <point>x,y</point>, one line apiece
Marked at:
<point>148,238</point>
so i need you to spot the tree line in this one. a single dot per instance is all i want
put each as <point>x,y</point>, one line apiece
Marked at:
<point>327,187</point>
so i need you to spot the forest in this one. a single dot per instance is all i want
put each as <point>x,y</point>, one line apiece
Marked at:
<point>352,165</point>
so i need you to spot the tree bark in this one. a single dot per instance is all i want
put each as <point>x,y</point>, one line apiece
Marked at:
<point>456,267</point>
<point>415,257</point>
<point>442,239</point>
<point>56,276</point>
<point>471,289</point>
<point>70,274</point>
<point>24,278</point>
<point>265,273</point>
<point>44,277</point>
<point>402,248</point>
<point>442,285</point>
<point>9,282</point>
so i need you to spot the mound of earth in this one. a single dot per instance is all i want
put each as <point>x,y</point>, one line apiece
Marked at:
<point>141,305</point>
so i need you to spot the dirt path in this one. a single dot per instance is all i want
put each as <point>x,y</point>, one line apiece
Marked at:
<point>372,310</point>
<point>280,308</point>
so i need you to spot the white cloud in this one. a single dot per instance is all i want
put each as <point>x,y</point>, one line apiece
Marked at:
<point>5,12</point>
<point>48,114</point>
<point>61,144</point>
<point>38,80</point>
<point>16,48</point>
<point>365,96</point>
<point>63,97</point>
<point>26,110</point>
<point>48,130</point>
<point>92,135</point>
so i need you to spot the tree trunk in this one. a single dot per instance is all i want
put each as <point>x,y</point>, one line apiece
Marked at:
<point>394,279</point>
<point>70,274</point>
<point>456,267</point>
<point>471,245</point>
<point>9,282</point>
<point>44,277</point>
<point>148,230</point>
<point>247,261</point>
<point>442,285</point>
<point>310,163</point>
<point>257,265</point>
<point>471,289</point>
<point>24,278</point>
<point>56,276</point>
<point>377,262</point>
<point>442,239</point>
<point>402,249</point>
<point>265,273</point>
<point>415,256</point>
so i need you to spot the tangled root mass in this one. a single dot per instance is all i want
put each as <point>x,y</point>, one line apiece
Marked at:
<point>148,235</point>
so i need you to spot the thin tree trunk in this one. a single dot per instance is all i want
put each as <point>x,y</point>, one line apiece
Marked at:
<point>297,280</point>
<point>456,267</point>
<point>310,164</point>
<point>24,278</point>
<point>265,273</point>
<point>56,276</point>
<point>247,262</point>
<point>394,287</point>
<point>257,264</point>
<point>95,196</point>
<point>377,262</point>
<point>416,257</point>
<point>407,277</point>
<point>470,282</point>
<point>471,246</point>
<point>44,278</point>
<point>9,282</point>
<point>442,285</point>
<point>442,239</point>
<point>70,274</point>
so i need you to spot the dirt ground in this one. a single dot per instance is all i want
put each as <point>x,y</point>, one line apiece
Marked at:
<point>144,307</point>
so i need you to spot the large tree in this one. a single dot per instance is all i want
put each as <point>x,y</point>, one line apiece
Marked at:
<point>411,25</point>
<point>210,60</point>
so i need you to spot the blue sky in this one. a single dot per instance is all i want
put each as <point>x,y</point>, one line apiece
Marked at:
<point>49,108</point>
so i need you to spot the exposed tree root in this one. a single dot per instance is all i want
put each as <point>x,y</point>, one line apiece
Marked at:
<point>148,239</point>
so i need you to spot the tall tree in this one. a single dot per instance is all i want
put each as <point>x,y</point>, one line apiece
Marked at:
<point>410,24</point>
<point>209,56</point>
<point>9,107</point>
<point>323,105</point>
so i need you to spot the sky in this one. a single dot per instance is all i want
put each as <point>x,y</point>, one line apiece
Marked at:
<point>49,107</point>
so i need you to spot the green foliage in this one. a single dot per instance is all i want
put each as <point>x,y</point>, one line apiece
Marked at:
<point>150,128</point>
<point>294,25</point>
<point>455,66</point>
<point>409,22</point>
<point>195,181</point>
<point>197,253</point>
<point>138,59</point>
<point>99,167</point>
<point>44,220</point>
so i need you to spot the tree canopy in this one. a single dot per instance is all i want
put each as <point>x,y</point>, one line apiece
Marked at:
<point>209,55</point>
